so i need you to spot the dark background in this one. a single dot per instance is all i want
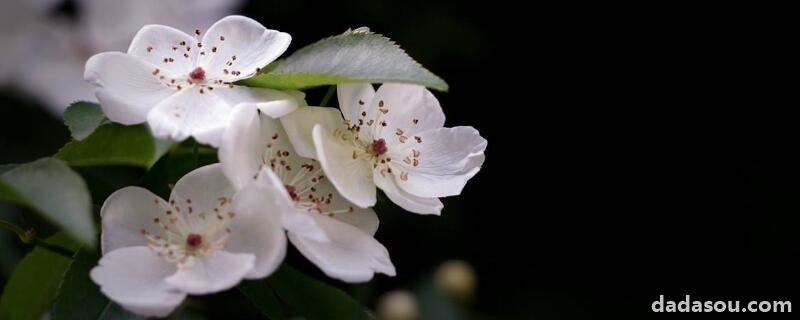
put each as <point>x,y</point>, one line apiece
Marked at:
<point>633,150</point>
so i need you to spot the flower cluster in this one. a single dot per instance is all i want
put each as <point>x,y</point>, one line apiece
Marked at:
<point>287,170</point>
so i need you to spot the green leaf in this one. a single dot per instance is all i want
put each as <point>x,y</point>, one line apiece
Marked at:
<point>355,56</point>
<point>52,189</point>
<point>8,194</point>
<point>6,167</point>
<point>263,298</point>
<point>82,118</point>
<point>34,283</point>
<point>79,298</point>
<point>176,164</point>
<point>313,299</point>
<point>115,144</point>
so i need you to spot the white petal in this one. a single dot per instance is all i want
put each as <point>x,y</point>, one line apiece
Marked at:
<point>155,43</point>
<point>21,23</point>
<point>134,278</point>
<point>352,177</point>
<point>406,200</point>
<point>299,124</point>
<point>202,191</point>
<point>448,158</point>
<point>351,256</point>
<point>126,213</point>
<point>362,218</point>
<point>127,87</point>
<point>54,78</point>
<point>297,220</point>
<point>241,152</point>
<point>257,229</point>
<point>39,79</point>
<point>19,11</point>
<point>354,98</point>
<point>210,136</point>
<point>293,220</point>
<point>216,272</point>
<point>190,113</point>
<point>270,102</point>
<point>242,155</point>
<point>299,97</point>
<point>252,45</point>
<point>10,57</point>
<point>204,114</point>
<point>404,104</point>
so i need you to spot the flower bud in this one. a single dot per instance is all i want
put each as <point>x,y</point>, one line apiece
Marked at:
<point>398,305</point>
<point>456,278</point>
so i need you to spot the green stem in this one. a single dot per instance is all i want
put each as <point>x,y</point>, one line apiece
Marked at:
<point>23,235</point>
<point>29,237</point>
<point>328,96</point>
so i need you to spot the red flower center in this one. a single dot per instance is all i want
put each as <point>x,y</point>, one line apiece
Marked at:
<point>198,74</point>
<point>379,147</point>
<point>194,240</point>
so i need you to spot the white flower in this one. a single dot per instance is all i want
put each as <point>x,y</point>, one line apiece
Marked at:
<point>204,240</point>
<point>324,227</point>
<point>36,47</point>
<point>45,55</point>
<point>182,85</point>
<point>393,139</point>
<point>19,23</point>
<point>52,70</point>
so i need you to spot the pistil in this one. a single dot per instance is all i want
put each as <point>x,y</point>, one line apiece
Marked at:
<point>198,74</point>
<point>379,148</point>
<point>194,240</point>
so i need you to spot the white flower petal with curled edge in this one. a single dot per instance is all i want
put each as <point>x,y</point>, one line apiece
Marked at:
<point>184,85</point>
<point>393,139</point>
<point>205,239</point>
<point>327,229</point>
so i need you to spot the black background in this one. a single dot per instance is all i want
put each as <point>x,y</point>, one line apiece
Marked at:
<point>633,150</point>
